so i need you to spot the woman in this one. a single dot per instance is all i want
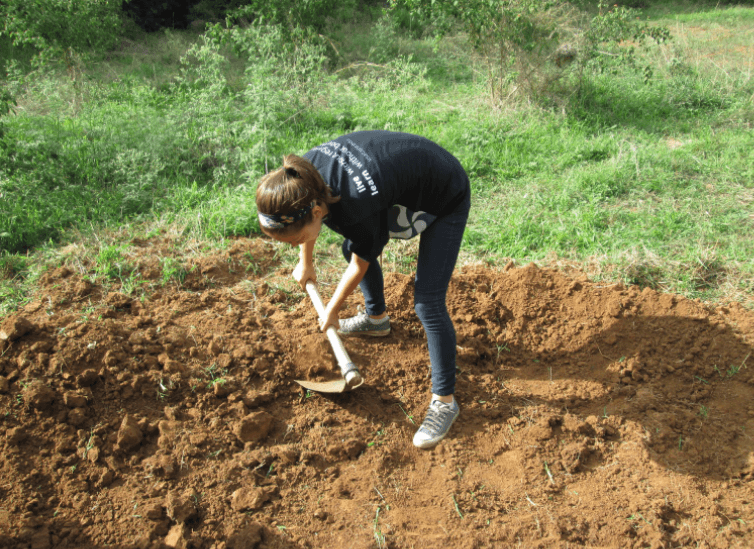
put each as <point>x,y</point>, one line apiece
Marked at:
<point>370,186</point>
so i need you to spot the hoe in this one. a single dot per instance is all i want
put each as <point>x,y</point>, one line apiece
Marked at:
<point>351,378</point>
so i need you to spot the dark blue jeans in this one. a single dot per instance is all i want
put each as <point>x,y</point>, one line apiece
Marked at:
<point>438,252</point>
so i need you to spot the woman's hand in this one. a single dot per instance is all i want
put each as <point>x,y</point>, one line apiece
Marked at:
<point>303,272</point>
<point>332,319</point>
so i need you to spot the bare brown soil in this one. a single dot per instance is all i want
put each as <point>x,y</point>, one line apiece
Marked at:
<point>592,416</point>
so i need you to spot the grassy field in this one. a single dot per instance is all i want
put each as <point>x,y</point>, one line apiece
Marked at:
<point>644,181</point>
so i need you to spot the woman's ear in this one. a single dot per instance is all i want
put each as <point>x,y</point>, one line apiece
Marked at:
<point>319,211</point>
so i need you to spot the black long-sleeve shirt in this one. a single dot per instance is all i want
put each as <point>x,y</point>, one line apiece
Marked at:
<point>391,185</point>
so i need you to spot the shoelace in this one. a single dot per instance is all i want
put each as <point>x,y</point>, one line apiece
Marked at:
<point>437,415</point>
<point>355,320</point>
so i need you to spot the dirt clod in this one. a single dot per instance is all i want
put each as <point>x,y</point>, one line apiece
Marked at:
<point>15,328</point>
<point>177,537</point>
<point>181,507</point>
<point>129,434</point>
<point>74,400</point>
<point>87,378</point>
<point>248,499</point>
<point>38,395</point>
<point>254,427</point>
<point>246,538</point>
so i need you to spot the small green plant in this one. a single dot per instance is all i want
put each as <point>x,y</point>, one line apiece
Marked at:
<point>703,411</point>
<point>549,473</point>
<point>409,417</point>
<point>87,311</point>
<point>89,443</point>
<point>733,370</point>
<point>455,504</point>
<point>172,270</point>
<point>252,264</point>
<point>379,537</point>
<point>378,433</point>
<point>215,375</point>
<point>164,388</point>
<point>111,263</point>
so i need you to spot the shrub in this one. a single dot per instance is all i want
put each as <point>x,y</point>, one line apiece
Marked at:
<point>60,28</point>
<point>529,45</point>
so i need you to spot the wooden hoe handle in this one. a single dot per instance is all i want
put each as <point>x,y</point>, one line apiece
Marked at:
<point>347,368</point>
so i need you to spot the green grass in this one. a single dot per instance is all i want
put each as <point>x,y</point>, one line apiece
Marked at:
<point>648,182</point>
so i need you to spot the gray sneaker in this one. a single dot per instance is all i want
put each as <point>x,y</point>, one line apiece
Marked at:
<point>361,324</point>
<point>436,425</point>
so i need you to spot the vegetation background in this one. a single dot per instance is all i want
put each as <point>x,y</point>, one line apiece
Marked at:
<point>611,138</point>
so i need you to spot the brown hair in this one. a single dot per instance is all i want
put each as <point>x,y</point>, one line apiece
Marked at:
<point>288,189</point>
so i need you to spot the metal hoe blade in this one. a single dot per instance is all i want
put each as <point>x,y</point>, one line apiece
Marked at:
<point>334,386</point>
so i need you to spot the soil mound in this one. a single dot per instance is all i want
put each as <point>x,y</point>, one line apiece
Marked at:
<point>592,416</point>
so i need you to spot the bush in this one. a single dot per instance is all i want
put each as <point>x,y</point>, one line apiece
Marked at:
<point>57,27</point>
<point>530,45</point>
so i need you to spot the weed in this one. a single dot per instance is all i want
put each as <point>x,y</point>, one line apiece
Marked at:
<point>703,411</point>
<point>502,347</point>
<point>252,265</point>
<point>172,270</point>
<point>378,433</point>
<point>379,537</point>
<point>409,417</point>
<point>549,473</point>
<point>89,443</point>
<point>164,388</point>
<point>215,375</point>
<point>455,504</point>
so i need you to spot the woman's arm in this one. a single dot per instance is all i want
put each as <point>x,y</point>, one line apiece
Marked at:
<point>355,271</point>
<point>305,269</point>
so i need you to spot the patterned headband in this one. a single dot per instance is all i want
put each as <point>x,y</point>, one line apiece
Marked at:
<point>274,221</point>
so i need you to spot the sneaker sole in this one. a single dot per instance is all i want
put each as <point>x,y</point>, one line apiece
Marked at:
<point>368,333</point>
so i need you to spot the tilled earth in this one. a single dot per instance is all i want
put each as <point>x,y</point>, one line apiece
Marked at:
<point>592,416</point>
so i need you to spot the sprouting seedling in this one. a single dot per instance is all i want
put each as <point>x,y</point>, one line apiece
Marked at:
<point>379,537</point>
<point>549,473</point>
<point>89,443</point>
<point>410,418</point>
<point>455,503</point>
